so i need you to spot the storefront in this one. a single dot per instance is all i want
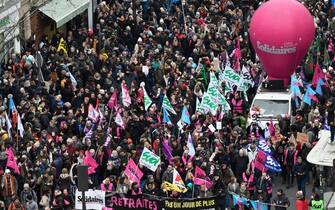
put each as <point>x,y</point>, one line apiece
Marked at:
<point>9,28</point>
<point>59,13</point>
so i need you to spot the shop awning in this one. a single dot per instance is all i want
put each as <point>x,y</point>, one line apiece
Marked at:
<point>65,10</point>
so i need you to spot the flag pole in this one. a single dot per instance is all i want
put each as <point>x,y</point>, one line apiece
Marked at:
<point>110,118</point>
<point>17,141</point>
<point>193,189</point>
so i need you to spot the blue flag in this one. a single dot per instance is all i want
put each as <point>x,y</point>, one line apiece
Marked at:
<point>166,118</point>
<point>239,200</point>
<point>266,160</point>
<point>319,86</point>
<point>258,206</point>
<point>325,126</point>
<point>262,145</point>
<point>295,86</point>
<point>309,96</point>
<point>11,104</point>
<point>185,116</point>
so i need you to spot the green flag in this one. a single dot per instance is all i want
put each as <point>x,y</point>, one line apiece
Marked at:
<point>167,105</point>
<point>309,66</point>
<point>147,100</point>
<point>204,75</point>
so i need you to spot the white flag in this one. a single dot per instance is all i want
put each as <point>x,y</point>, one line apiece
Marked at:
<point>93,114</point>
<point>177,180</point>
<point>190,146</point>
<point>8,125</point>
<point>20,126</point>
<point>126,100</point>
<point>119,120</point>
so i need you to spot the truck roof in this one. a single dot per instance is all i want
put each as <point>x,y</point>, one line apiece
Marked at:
<point>273,96</point>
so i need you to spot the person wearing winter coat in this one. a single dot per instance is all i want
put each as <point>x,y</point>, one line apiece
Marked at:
<point>281,200</point>
<point>300,170</point>
<point>58,203</point>
<point>26,192</point>
<point>9,186</point>
<point>265,184</point>
<point>64,181</point>
<point>106,185</point>
<point>290,158</point>
<point>240,164</point>
<point>301,203</point>
<point>16,204</point>
<point>31,204</point>
<point>316,203</point>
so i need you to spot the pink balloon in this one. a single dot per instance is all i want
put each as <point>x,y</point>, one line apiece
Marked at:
<point>281,32</point>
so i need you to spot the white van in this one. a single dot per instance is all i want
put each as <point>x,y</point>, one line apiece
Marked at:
<point>268,105</point>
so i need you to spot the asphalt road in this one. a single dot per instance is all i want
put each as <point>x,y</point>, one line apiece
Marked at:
<point>291,192</point>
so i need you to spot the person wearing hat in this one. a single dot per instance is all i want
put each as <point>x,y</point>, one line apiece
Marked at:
<point>301,202</point>
<point>281,200</point>
<point>316,203</point>
<point>150,187</point>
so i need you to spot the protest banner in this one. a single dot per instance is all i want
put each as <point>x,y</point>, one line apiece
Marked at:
<point>95,199</point>
<point>149,159</point>
<point>126,202</point>
<point>230,75</point>
<point>144,202</point>
<point>302,137</point>
<point>192,204</point>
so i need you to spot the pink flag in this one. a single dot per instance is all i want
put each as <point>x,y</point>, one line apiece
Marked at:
<point>199,173</point>
<point>133,172</point>
<point>113,100</point>
<point>200,178</point>
<point>317,75</point>
<point>11,162</point>
<point>126,100</point>
<point>330,45</point>
<point>90,162</point>
<point>272,128</point>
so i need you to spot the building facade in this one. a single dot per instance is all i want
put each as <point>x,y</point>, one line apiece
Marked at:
<point>9,27</point>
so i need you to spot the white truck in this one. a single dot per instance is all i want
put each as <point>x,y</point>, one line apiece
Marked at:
<point>268,105</point>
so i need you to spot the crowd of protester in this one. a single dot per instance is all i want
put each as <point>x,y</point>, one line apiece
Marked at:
<point>158,45</point>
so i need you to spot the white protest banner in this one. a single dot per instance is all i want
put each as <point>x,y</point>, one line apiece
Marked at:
<point>95,199</point>
<point>149,159</point>
<point>247,78</point>
<point>230,75</point>
<point>207,104</point>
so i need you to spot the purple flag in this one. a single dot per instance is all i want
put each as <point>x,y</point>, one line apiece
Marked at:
<point>167,150</point>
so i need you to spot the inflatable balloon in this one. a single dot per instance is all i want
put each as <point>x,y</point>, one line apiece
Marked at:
<point>281,32</point>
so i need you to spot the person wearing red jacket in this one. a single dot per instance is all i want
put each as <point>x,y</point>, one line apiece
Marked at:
<point>301,203</point>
